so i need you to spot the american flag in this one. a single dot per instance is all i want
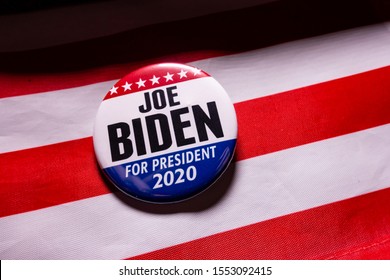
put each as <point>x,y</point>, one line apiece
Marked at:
<point>310,83</point>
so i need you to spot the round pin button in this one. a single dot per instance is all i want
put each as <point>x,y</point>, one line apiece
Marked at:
<point>165,132</point>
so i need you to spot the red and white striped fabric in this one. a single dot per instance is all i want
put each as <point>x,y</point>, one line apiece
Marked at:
<point>311,175</point>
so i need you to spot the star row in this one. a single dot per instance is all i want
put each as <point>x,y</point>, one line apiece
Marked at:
<point>155,80</point>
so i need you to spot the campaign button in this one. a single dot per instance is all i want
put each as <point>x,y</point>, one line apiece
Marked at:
<point>165,132</point>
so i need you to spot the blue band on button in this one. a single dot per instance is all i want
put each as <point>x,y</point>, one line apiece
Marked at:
<point>173,176</point>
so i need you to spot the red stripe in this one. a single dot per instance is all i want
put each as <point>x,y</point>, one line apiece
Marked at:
<point>356,228</point>
<point>313,113</point>
<point>46,176</point>
<point>49,175</point>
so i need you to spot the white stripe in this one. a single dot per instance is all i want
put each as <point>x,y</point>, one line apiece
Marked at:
<point>47,118</point>
<point>257,189</point>
<point>69,114</point>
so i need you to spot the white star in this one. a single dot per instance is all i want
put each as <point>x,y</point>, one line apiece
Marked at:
<point>154,80</point>
<point>127,86</point>
<point>113,90</point>
<point>182,74</point>
<point>141,83</point>
<point>168,77</point>
<point>196,71</point>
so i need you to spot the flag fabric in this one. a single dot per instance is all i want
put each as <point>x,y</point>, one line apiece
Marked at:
<point>311,175</point>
